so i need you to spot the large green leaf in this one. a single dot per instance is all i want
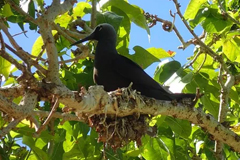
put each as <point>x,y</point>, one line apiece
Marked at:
<point>40,154</point>
<point>37,46</point>
<point>6,10</point>
<point>181,127</point>
<point>63,20</point>
<point>154,148</point>
<point>164,71</point>
<point>231,49</point>
<point>215,22</point>
<point>201,15</point>
<point>135,13</point>
<point>145,57</point>
<point>109,17</point>
<point>123,32</point>
<point>193,8</point>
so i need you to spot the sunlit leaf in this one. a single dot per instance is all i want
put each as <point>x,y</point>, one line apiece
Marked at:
<point>81,9</point>
<point>193,8</point>
<point>231,49</point>
<point>5,67</point>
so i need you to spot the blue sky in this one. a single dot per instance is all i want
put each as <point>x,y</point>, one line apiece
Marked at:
<point>138,36</point>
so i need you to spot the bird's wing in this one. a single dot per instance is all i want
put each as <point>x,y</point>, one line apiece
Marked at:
<point>134,73</point>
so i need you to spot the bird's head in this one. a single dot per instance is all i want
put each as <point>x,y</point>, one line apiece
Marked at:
<point>102,32</point>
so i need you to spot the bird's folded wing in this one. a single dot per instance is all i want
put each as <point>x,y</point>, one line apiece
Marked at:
<point>134,73</point>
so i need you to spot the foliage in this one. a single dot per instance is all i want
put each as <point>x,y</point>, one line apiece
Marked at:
<point>176,139</point>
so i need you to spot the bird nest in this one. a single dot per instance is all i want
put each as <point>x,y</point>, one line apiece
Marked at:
<point>116,132</point>
<point>115,115</point>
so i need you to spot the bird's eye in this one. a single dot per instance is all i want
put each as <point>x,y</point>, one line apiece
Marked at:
<point>99,28</point>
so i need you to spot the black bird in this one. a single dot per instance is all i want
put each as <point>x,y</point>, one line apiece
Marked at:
<point>114,71</point>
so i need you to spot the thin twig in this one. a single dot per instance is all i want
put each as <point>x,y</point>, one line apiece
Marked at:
<point>8,57</point>
<point>20,52</point>
<point>168,26</point>
<point>19,33</point>
<point>19,10</point>
<point>56,104</point>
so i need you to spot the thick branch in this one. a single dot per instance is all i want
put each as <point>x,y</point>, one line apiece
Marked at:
<point>120,103</point>
<point>97,101</point>
<point>10,126</point>
<point>14,91</point>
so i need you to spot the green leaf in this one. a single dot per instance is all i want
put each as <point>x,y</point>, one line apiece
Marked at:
<point>154,148</point>
<point>15,18</point>
<point>31,9</point>
<point>201,16</point>
<point>58,151</point>
<point>181,127</point>
<point>181,149</point>
<point>37,46</point>
<point>208,61</point>
<point>233,95</point>
<point>28,141</point>
<point>63,20</point>
<point>5,67</point>
<point>210,105</point>
<point>179,80</point>
<point>81,9</point>
<point>40,3</point>
<point>123,32</point>
<point>231,49</point>
<point>6,10</point>
<point>193,8</point>
<point>215,22</point>
<point>109,17</point>
<point>165,71</point>
<point>135,13</point>
<point>144,58</point>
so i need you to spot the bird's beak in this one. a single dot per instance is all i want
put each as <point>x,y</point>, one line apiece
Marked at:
<point>89,37</point>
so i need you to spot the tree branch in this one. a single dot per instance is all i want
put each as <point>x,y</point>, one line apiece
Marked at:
<point>20,52</point>
<point>120,103</point>
<point>14,91</point>
<point>9,127</point>
<point>19,10</point>
<point>45,30</point>
<point>93,15</point>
